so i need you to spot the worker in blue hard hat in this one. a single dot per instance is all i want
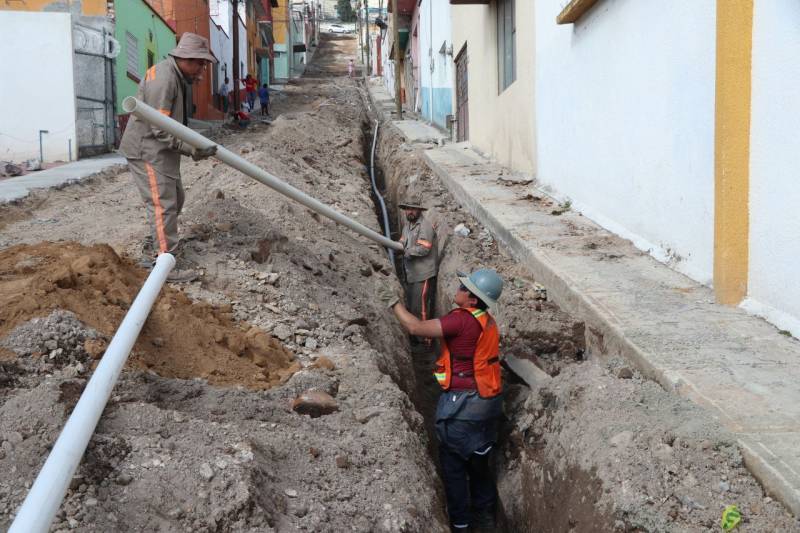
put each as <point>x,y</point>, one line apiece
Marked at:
<point>468,370</point>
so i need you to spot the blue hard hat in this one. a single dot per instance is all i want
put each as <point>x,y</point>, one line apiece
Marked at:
<point>485,283</point>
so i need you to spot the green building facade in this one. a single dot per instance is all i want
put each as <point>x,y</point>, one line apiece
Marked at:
<point>145,39</point>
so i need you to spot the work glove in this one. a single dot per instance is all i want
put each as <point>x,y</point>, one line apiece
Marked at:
<point>386,294</point>
<point>203,153</point>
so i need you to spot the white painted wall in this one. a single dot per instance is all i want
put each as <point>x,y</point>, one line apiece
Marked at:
<point>436,69</point>
<point>625,122</point>
<point>501,124</point>
<point>221,41</point>
<point>388,64</point>
<point>774,290</point>
<point>37,91</point>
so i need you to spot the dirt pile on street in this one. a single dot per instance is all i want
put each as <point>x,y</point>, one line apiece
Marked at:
<point>181,338</point>
<point>175,454</point>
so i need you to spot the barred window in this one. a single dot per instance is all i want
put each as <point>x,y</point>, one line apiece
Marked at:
<point>132,55</point>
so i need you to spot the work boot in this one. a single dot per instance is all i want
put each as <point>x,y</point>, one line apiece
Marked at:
<point>182,275</point>
<point>484,521</point>
<point>183,272</point>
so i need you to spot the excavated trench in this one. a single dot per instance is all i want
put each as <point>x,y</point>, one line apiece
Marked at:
<point>596,447</point>
<point>558,346</point>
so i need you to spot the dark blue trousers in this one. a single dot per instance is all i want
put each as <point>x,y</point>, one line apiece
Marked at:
<point>466,425</point>
<point>468,484</point>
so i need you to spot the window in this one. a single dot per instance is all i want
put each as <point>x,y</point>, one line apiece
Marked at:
<point>506,43</point>
<point>132,55</point>
<point>151,59</point>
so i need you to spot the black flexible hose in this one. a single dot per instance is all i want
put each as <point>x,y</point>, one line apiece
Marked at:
<point>385,215</point>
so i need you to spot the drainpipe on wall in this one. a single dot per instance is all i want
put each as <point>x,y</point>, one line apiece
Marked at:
<point>430,51</point>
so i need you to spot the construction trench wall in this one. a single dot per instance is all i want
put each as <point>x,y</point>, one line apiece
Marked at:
<point>200,434</point>
<point>597,448</point>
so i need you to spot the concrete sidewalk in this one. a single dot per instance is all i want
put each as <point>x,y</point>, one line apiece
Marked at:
<point>739,367</point>
<point>21,186</point>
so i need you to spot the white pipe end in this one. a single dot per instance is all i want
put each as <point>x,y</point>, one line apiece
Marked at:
<point>129,104</point>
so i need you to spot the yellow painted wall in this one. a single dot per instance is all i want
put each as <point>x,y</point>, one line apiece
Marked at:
<point>500,125</point>
<point>90,8</point>
<point>279,19</point>
<point>732,149</point>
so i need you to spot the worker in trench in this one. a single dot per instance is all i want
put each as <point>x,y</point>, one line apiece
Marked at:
<point>154,156</point>
<point>468,371</point>
<point>420,261</point>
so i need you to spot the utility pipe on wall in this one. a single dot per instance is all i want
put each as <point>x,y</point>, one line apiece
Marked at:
<point>44,499</point>
<point>188,135</point>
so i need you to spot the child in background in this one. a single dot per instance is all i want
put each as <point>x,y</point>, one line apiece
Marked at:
<point>263,95</point>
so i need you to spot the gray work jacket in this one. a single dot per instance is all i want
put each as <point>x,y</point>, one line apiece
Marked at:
<point>164,89</point>
<point>421,250</point>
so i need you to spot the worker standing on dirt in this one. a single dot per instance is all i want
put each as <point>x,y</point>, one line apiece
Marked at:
<point>420,259</point>
<point>154,156</point>
<point>468,370</point>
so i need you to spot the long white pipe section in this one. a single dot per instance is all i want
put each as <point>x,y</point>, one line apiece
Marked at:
<point>188,135</point>
<point>44,499</point>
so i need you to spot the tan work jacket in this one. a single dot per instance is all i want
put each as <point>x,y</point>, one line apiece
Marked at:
<point>164,89</point>
<point>421,252</point>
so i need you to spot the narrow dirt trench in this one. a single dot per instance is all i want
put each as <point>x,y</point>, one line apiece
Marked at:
<point>597,447</point>
<point>201,434</point>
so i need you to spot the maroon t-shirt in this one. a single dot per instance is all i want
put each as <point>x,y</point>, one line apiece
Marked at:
<point>461,332</point>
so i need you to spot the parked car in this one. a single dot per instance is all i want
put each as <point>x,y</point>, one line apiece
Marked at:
<point>337,28</point>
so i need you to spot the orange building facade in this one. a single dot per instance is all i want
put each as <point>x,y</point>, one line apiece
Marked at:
<point>192,16</point>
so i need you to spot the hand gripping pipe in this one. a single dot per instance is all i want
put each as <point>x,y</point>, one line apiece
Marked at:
<point>44,499</point>
<point>187,135</point>
<point>384,214</point>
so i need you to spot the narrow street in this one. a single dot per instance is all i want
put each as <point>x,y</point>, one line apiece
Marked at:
<point>201,434</point>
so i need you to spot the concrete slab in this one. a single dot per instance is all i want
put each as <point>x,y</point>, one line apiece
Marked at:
<point>737,366</point>
<point>419,132</point>
<point>15,188</point>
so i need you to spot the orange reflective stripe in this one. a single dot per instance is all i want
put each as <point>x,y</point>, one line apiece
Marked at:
<point>425,300</point>
<point>160,233</point>
<point>166,112</point>
<point>425,244</point>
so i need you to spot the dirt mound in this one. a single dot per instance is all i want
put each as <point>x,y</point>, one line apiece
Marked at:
<point>181,338</point>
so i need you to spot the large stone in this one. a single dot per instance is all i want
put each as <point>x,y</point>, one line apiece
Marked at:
<point>314,403</point>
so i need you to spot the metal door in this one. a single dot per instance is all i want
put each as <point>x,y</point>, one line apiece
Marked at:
<point>462,96</point>
<point>94,50</point>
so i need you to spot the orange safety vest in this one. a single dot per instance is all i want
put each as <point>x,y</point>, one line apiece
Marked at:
<point>485,362</point>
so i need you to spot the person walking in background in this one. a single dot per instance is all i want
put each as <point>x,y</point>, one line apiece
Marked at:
<point>351,67</point>
<point>250,85</point>
<point>224,92</point>
<point>263,96</point>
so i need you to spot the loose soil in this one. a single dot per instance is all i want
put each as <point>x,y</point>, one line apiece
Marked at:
<point>200,434</point>
<point>181,338</point>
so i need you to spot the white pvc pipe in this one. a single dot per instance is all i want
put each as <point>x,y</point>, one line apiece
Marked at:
<point>191,137</point>
<point>44,499</point>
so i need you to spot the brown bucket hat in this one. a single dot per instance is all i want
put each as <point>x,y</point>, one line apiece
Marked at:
<point>193,46</point>
<point>413,201</point>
